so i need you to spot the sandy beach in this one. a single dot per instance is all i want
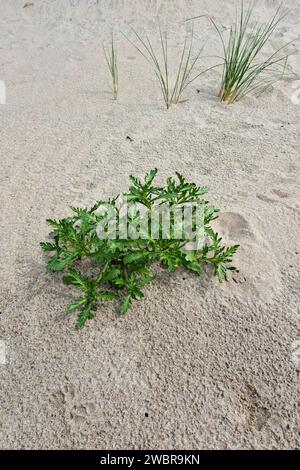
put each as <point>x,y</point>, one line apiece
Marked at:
<point>195,364</point>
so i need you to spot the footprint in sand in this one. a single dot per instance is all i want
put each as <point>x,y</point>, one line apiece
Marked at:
<point>282,197</point>
<point>256,408</point>
<point>233,226</point>
<point>74,411</point>
<point>259,277</point>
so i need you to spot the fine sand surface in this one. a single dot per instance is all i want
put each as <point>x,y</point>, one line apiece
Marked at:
<point>195,364</point>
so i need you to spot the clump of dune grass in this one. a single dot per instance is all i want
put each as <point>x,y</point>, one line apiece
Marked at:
<point>244,72</point>
<point>110,53</point>
<point>186,70</point>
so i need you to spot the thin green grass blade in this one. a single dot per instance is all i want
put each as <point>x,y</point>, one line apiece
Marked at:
<point>243,71</point>
<point>160,64</point>
<point>110,54</point>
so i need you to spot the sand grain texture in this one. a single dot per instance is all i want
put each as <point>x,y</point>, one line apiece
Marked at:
<point>210,365</point>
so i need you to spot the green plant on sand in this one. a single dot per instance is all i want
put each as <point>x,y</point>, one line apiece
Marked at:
<point>117,268</point>
<point>110,54</point>
<point>244,72</point>
<point>186,73</point>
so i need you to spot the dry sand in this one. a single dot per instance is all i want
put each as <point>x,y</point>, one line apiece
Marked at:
<point>195,364</point>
